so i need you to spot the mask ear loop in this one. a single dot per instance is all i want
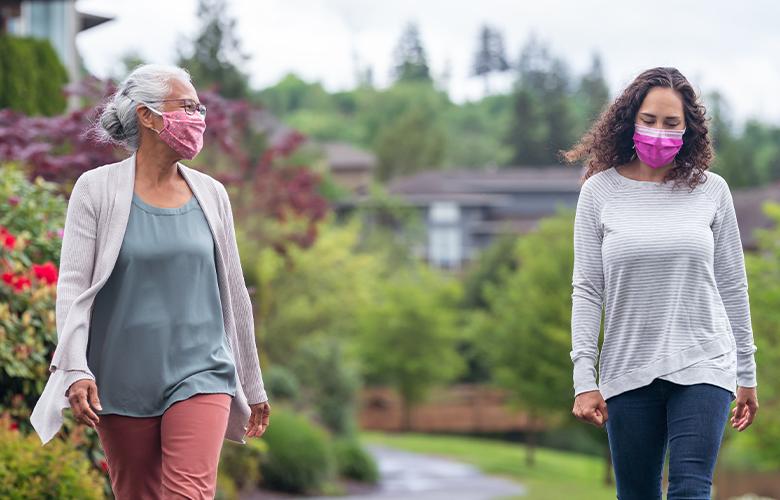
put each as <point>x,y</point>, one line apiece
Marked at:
<point>156,112</point>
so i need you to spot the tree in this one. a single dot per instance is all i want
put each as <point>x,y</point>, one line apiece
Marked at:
<point>490,56</point>
<point>412,142</point>
<point>293,94</point>
<point>593,93</point>
<point>411,63</point>
<point>543,121</point>
<point>763,270</point>
<point>303,297</point>
<point>409,334</point>
<point>527,134</point>
<point>720,124</point>
<point>530,331</point>
<point>216,56</point>
<point>491,266</point>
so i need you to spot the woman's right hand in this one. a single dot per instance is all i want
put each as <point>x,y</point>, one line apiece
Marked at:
<point>591,407</point>
<point>81,394</point>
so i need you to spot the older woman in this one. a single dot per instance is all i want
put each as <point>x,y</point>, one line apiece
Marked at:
<point>152,307</point>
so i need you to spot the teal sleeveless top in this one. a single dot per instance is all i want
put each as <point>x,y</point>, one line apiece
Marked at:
<point>156,333</point>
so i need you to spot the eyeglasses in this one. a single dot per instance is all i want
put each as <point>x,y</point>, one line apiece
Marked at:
<point>190,107</point>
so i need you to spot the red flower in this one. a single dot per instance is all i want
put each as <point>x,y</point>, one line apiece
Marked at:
<point>8,278</point>
<point>46,272</point>
<point>9,240</point>
<point>14,426</point>
<point>104,465</point>
<point>21,282</point>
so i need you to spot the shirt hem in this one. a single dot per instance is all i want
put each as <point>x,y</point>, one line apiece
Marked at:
<point>646,374</point>
<point>168,404</point>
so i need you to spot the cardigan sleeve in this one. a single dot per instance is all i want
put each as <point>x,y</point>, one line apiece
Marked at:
<point>587,292</point>
<point>73,376</point>
<point>251,374</point>
<point>731,279</point>
<point>77,256</point>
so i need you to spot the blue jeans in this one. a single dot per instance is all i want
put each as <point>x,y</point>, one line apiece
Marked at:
<point>640,423</point>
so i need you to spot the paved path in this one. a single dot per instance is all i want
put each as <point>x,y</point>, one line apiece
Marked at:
<point>411,476</point>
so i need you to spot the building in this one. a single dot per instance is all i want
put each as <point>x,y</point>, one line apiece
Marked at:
<point>352,168</point>
<point>748,204</point>
<point>464,210</point>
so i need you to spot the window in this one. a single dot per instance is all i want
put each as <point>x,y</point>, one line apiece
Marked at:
<point>445,238</point>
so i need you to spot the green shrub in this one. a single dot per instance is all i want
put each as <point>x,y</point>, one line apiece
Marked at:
<point>329,382</point>
<point>241,463</point>
<point>282,384</point>
<point>31,76</point>
<point>226,488</point>
<point>354,462</point>
<point>55,471</point>
<point>300,458</point>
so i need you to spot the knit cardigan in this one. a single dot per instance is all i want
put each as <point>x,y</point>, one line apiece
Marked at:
<point>95,223</point>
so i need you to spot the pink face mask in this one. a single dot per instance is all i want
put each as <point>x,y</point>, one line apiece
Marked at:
<point>657,147</point>
<point>182,132</point>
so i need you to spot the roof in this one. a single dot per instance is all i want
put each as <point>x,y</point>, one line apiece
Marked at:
<point>345,156</point>
<point>492,180</point>
<point>748,204</point>
<point>263,121</point>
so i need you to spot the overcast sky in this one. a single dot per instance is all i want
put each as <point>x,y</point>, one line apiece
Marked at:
<point>730,46</point>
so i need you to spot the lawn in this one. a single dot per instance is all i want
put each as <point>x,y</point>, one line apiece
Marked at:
<point>554,476</point>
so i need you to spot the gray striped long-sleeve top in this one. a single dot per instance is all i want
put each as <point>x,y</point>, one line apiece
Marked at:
<point>666,266</point>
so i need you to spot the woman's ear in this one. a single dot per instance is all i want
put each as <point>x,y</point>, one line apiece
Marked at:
<point>145,117</point>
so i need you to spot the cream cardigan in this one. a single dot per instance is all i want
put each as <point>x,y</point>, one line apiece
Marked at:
<point>95,223</point>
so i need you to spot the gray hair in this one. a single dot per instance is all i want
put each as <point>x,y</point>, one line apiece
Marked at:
<point>118,122</point>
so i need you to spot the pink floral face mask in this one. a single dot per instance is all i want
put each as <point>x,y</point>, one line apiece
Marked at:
<point>182,132</point>
<point>657,147</point>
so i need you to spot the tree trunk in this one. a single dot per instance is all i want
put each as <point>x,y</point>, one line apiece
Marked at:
<point>406,423</point>
<point>530,443</point>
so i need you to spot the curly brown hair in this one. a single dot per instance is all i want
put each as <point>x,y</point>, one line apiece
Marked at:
<point>609,142</point>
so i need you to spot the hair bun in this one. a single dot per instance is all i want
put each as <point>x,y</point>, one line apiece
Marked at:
<point>110,122</point>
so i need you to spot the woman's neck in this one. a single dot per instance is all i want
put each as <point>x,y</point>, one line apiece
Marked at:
<point>637,170</point>
<point>154,168</point>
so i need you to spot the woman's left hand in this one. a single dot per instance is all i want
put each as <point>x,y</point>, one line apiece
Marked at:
<point>258,420</point>
<point>746,409</point>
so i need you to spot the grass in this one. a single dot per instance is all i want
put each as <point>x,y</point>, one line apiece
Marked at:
<point>554,476</point>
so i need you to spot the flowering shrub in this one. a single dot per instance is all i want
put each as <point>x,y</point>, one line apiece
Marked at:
<point>31,221</point>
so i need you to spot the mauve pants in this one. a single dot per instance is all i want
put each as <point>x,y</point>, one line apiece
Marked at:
<point>174,455</point>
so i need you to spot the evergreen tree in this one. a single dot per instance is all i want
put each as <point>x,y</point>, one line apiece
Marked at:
<point>543,118</point>
<point>593,92</point>
<point>216,57</point>
<point>490,56</point>
<point>720,119</point>
<point>411,63</point>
